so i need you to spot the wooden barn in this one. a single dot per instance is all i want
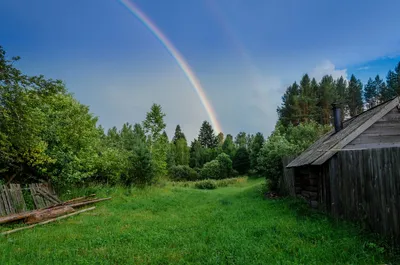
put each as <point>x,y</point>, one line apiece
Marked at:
<point>354,170</point>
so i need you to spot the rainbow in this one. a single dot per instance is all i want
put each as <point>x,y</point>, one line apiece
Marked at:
<point>179,59</point>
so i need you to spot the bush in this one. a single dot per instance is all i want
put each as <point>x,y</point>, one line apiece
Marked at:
<point>234,173</point>
<point>211,170</point>
<point>207,184</point>
<point>225,164</point>
<point>180,173</point>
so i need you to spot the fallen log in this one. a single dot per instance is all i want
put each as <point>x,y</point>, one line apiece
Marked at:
<point>22,216</point>
<point>46,222</point>
<point>79,198</point>
<point>46,214</point>
<point>79,204</point>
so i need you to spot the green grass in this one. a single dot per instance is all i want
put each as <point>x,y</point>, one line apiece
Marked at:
<point>183,225</point>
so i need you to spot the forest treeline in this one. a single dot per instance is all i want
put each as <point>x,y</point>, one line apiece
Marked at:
<point>48,135</point>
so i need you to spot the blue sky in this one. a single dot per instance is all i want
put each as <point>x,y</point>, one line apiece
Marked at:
<point>245,52</point>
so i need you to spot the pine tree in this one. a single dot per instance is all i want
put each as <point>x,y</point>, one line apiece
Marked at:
<point>370,93</point>
<point>255,148</point>
<point>178,134</point>
<point>384,94</point>
<point>392,83</point>
<point>355,101</point>
<point>154,123</point>
<point>207,137</point>
<point>305,98</point>
<point>341,96</point>
<point>241,161</point>
<point>326,97</point>
<point>288,112</point>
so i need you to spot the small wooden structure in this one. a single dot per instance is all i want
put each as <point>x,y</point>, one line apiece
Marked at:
<point>354,170</point>
<point>12,200</point>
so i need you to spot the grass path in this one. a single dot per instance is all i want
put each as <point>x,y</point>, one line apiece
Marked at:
<point>175,225</point>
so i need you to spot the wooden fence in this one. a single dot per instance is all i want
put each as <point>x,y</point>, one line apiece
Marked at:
<point>364,185</point>
<point>12,199</point>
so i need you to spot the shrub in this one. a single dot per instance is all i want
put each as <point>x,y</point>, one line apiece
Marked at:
<point>207,184</point>
<point>225,164</point>
<point>211,170</point>
<point>181,172</point>
<point>234,173</point>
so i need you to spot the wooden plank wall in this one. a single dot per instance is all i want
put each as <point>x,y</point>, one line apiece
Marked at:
<point>364,185</point>
<point>287,182</point>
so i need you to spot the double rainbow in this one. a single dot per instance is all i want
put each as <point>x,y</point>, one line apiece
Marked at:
<point>191,76</point>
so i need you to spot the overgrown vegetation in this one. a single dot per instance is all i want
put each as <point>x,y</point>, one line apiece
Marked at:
<point>177,225</point>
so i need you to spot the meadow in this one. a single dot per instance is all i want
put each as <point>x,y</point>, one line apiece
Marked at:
<point>174,224</point>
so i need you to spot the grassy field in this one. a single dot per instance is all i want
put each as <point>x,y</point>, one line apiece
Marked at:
<point>182,225</point>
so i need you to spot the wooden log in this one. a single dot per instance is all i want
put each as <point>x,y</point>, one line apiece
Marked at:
<point>80,198</point>
<point>48,221</point>
<point>79,204</point>
<point>46,214</point>
<point>21,216</point>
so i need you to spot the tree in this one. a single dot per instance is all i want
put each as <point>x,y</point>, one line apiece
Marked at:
<point>255,148</point>
<point>371,93</point>
<point>241,161</point>
<point>178,134</point>
<point>181,152</point>
<point>141,168</point>
<point>220,138</point>
<point>355,101</point>
<point>341,96</point>
<point>241,140</point>
<point>207,137</point>
<point>154,123</point>
<point>229,147</point>
<point>225,164</point>
<point>289,110</point>
<point>196,152</point>
<point>326,95</point>
<point>392,82</point>
<point>159,155</point>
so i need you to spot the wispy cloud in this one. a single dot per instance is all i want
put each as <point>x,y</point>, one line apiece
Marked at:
<point>363,68</point>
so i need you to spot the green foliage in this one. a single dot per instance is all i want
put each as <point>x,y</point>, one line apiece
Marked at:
<point>178,134</point>
<point>241,161</point>
<point>211,170</point>
<point>241,140</point>
<point>228,146</point>
<point>285,142</point>
<point>225,164</point>
<point>159,156</point>
<point>183,173</point>
<point>206,184</point>
<point>207,137</point>
<point>255,148</point>
<point>142,170</point>
<point>355,101</point>
<point>181,152</point>
<point>154,123</point>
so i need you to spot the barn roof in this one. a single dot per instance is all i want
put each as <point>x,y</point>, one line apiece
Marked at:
<point>332,142</point>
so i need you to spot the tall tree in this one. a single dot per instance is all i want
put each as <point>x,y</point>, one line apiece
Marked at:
<point>288,112</point>
<point>229,147</point>
<point>255,148</point>
<point>181,152</point>
<point>196,153</point>
<point>371,93</point>
<point>392,82</point>
<point>154,123</point>
<point>341,96</point>
<point>207,137</point>
<point>326,96</point>
<point>220,138</point>
<point>178,134</point>
<point>355,101</point>
<point>305,98</point>
<point>314,108</point>
<point>241,161</point>
<point>241,140</point>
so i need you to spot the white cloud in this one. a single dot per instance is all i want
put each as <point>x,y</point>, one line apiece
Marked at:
<point>363,68</point>
<point>327,68</point>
